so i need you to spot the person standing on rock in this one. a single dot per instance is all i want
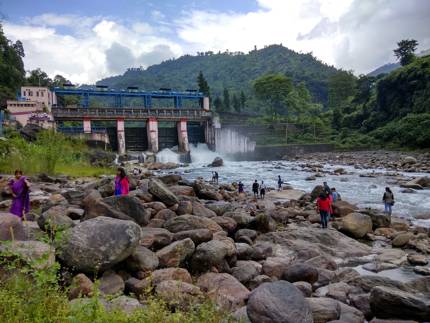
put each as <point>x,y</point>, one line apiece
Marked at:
<point>335,195</point>
<point>255,187</point>
<point>323,208</point>
<point>279,183</point>
<point>388,200</point>
<point>327,189</point>
<point>121,182</point>
<point>20,188</point>
<point>240,187</point>
<point>262,190</point>
<point>216,176</point>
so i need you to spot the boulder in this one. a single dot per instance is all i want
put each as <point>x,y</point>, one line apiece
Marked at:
<point>160,275</point>
<point>177,293</point>
<point>165,214</point>
<point>142,259</point>
<point>11,227</point>
<point>184,207</point>
<point>36,253</point>
<point>55,219</point>
<point>379,220</point>
<point>175,253</point>
<point>75,213</point>
<point>158,189</point>
<point>324,309</point>
<point>242,218</point>
<point>244,251</point>
<point>362,303</point>
<point>198,235</point>
<point>356,225</point>
<point>209,254</point>
<point>257,281</point>
<point>223,289</point>
<point>402,239</point>
<point>217,162</point>
<point>275,266</point>
<point>111,283</point>
<point>200,210</point>
<point>316,192</point>
<point>188,222</point>
<point>418,260</point>
<point>389,302</point>
<point>126,304</point>
<point>170,179</point>
<point>343,208</point>
<point>278,302</point>
<point>130,206</point>
<point>240,315</point>
<point>350,314</point>
<point>182,190</point>
<point>300,272</point>
<point>393,256</point>
<point>245,270</point>
<point>156,238</point>
<point>81,286</point>
<point>74,197</point>
<point>262,250</point>
<point>228,224</point>
<point>251,234</point>
<point>113,242</point>
<point>409,160</point>
<point>304,287</point>
<point>220,207</point>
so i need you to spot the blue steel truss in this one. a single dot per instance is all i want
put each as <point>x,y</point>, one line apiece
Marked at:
<point>119,95</point>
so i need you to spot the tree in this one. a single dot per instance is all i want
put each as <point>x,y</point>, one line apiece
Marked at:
<point>236,103</point>
<point>242,100</point>
<point>226,100</point>
<point>19,48</point>
<point>273,90</point>
<point>203,84</point>
<point>218,104</point>
<point>38,77</point>
<point>405,51</point>
<point>341,88</point>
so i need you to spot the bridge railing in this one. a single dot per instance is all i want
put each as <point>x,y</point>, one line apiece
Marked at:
<point>131,113</point>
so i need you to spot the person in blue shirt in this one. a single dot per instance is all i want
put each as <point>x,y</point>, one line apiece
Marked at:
<point>335,195</point>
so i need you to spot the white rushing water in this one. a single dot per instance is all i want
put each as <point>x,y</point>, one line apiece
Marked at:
<point>229,141</point>
<point>167,156</point>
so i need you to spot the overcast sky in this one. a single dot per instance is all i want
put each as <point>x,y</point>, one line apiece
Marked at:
<point>86,40</point>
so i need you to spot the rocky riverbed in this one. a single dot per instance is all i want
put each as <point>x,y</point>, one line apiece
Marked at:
<point>262,261</point>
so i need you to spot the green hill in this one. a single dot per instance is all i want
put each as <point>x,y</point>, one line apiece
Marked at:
<point>234,71</point>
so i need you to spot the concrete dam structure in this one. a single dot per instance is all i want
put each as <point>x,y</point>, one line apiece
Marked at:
<point>132,120</point>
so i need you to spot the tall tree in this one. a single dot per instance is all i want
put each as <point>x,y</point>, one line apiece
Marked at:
<point>242,100</point>
<point>226,100</point>
<point>203,84</point>
<point>236,103</point>
<point>218,104</point>
<point>273,90</point>
<point>38,77</point>
<point>341,88</point>
<point>405,52</point>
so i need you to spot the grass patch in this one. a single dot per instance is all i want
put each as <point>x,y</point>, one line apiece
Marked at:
<point>82,169</point>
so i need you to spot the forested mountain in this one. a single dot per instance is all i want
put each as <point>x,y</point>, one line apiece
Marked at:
<point>384,69</point>
<point>233,71</point>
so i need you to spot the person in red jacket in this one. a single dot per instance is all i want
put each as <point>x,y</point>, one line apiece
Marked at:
<point>323,208</point>
<point>121,182</point>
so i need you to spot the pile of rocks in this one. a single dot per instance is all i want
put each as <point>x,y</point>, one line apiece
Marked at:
<point>263,261</point>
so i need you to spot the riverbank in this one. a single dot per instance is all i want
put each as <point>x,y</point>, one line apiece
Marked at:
<point>185,241</point>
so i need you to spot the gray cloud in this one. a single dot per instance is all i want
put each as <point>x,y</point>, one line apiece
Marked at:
<point>119,58</point>
<point>158,54</point>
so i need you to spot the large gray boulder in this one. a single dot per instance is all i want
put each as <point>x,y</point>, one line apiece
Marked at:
<point>176,253</point>
<point>36,253</point>
<point>245,270</point>
<point>278,302</point>
<point>99,243</point>
<point>11,227</point>
<point>55,219</point>
<point>300,272</point>
<point>156,238</point>
<point>356,225</point>
<point>158,189</point>
<point>389,302</point>
<point>188,222</point>
<point>324,309</point>
<point>131,206</point>
<point>209,254</point>
<point>142,259</point>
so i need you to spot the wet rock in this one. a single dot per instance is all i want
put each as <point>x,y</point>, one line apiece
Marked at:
<point>198,235</point>
<point>225,290</point>
<point>11,227</point>
<point>111,283</point>
<point>417,259</point>
<point>88,252</point>
<point>356,224</point>
<point>324,309</point>
<point>156,238</point>
<point>421,270</point>
<point>278,302</point>
<point>300,272</point>
<point>191,222</point>
<point>142,259</point>
<point>201,210</point>
<point>176,253</point>
<point>158,189</point>
<point>177,293</point>
<point>81,286</point>
<point>245,270</point>
<point>393,303</point>
<point>131,206</point>
<point>392,256</point>
<point>217,162</point>
<point>402,239</point>
<point>55,219</point>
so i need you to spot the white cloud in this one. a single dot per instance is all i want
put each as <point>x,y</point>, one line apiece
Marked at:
<point>351,34</point>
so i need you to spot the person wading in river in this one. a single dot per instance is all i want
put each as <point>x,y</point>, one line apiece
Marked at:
<point>20,188</point>
<point>388,200</point>
<point>279,183</point>
<point>121,182</point>
<point>255,187</point>
<point>323,208</point>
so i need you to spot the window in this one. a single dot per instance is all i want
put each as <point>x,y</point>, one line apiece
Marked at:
<point>41,94</point>
<point>37,93</point>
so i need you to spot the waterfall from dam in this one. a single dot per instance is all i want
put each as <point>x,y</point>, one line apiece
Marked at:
<point>229,141</point>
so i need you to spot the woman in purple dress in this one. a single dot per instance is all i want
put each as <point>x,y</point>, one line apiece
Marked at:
<point>20,192</point>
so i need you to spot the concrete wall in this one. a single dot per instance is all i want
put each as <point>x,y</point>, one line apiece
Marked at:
<point>279,152</point>
<point>39,94</point>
